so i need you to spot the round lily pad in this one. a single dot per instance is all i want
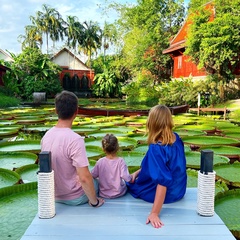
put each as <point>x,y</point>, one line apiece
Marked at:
<point>94,152</point>
<point>102,132</point>
<point>192,178</point>
<point>200,127</point>
<point>8,178</point>
<point>30,120</point>
<point>210,140</point>
<point>21,146</point>
<point>227,207</point>
<point>13,160</point>
<point>228,151</point>
<point>7,122</point>
<point>228,173</point>
<point>194,158</point>
<point>18,205</point>
<point>186,132</point>
<point>8,132</point>
<point>28,173</point>
<point>141,148</point>
<point>37,128</point>
<point>124,142</point>
<point>139,137</point>
<point>132,158</point>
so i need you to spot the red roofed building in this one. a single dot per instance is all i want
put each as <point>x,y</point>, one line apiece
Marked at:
<point>182,67</point>
<point>75,76</point>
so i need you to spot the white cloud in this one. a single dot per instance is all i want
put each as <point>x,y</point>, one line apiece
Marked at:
<point>15,16</point>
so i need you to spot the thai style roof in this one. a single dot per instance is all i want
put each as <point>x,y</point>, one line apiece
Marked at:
<point>178,42</point>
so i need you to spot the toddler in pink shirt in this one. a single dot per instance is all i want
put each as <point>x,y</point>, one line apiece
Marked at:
<point>111,170</point>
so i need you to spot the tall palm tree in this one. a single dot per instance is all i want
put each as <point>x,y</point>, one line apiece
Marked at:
<point>32,37</point>
<point>49,22</point>
<point>74,32</point>
<point>92,40</point>
<point>109,35</point>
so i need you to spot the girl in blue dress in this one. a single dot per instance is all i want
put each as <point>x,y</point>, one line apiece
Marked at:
<point>162,177</point>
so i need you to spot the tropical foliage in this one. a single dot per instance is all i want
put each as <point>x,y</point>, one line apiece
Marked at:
<point>31,72</point>
<point>214,42</point>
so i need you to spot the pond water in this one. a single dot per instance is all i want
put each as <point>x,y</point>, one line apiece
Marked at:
<point>22,128</point>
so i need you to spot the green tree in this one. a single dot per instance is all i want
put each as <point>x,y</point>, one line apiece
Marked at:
<point>91,41</point>
<point>106,85</point>
<point>31,72</point>
<point>214,43</point>
<point>109,36</point>
<point>146,29</point>
<point>49,22</point>
<point>74,32</point>
<point>32,37</point>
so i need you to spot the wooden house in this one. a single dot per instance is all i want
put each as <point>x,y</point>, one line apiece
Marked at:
<point>182,67</point>
<point>75,75</point>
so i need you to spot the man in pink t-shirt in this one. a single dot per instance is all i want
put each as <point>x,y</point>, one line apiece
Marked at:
<point>74,184</point>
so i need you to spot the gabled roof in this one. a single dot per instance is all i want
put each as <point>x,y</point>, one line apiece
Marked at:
<point>5,56</point>
<point>71,54</point>
<point>179,40</point>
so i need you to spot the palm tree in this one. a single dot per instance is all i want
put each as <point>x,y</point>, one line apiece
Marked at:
<point>74,32</point>
<point>49,23</point>
<point>32,37</point>
<point>91,41</point>
<point>109,35</point>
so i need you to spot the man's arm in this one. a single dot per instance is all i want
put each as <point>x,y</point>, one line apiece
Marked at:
<point>86,180</point>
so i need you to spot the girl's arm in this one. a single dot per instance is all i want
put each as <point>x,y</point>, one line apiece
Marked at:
<point>153,217</point>
<point>135,175</point>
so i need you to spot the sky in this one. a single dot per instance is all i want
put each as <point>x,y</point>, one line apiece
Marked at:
<point>15,15</point>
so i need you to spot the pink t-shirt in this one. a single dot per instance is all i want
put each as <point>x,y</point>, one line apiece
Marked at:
<point>112,174</point>
<point>68,152</point>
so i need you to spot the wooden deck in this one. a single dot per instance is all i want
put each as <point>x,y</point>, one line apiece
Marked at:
<point>198,110</point>
<point>124,218</point>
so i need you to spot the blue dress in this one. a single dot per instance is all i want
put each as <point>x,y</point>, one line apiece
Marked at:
<point>164,165</point>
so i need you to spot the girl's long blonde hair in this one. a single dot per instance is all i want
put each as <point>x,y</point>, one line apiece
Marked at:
<point>159,126</point>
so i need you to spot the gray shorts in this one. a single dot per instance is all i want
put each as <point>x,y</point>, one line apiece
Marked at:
<point>81,200</point>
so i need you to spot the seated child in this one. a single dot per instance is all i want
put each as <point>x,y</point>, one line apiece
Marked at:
<point>111,170</point>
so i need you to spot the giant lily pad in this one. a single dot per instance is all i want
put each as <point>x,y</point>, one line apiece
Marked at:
<point>13,160</point>
<point>139,137</point>
<point>124,142</point>
<point>7,122</point>
<point>102,132</point>
<point>194,159</point>
<point>186,132</point>
<point>30,120</point>
<point>210,140</point>
<point>8,132</point>
<point>21,146</point>
<point>141,148</point>
<point>8,178</point>
<point>228,151</point>
<point>227,207</point>
<point>28,173</point>
<point>131,158</point>
<point>200,127</point>
<point>94,152</point>
<point>192,178</point>
<point>228,173</point>
<point>37,128</point>
<point>18,205</point>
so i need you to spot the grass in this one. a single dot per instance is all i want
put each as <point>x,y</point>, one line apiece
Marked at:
<point>8,101</point>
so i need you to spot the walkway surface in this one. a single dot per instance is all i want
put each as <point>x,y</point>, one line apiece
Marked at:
<point>124,219</point>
